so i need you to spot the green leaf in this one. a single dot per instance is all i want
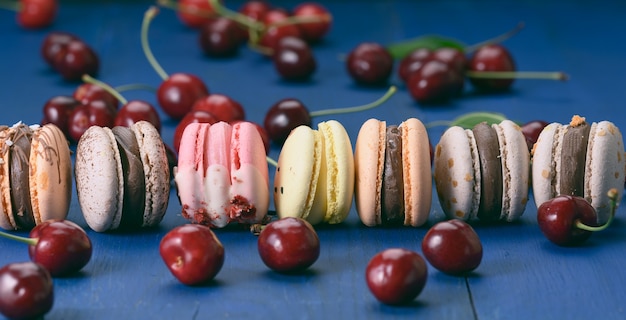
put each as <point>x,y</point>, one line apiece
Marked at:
<point>469,120</point>
<point>399,50</point>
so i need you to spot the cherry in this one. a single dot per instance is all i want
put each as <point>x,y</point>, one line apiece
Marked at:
<point>195,116</point>
<point>413,62</point>
<point>492,57</point>
<point>452,247</point>
<point>87,92</point>
<point>293,59</point>
<point>192,253</point>
<point>177,93</point>
<point>95,113</point>
<point>26,291</point>
<point>435,82</point>
<point>570,220</point>
<point>288,245</point>
<point>277,27</point>
<point>221,37</point>
<point>57,110</point>
<point>222,107</point>
<point>452,57</point>
<point>75,59</point>
<point>36,14</point>
<point>369,64</point>
<point>53,43</point>
<point>137,110</point>
<point>194,13</point>
<point>315,30</point>
<point>531,131</point>
<point>255,10</point>
<point>396,276</point>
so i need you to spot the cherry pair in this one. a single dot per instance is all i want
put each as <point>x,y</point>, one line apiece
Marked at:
<point>70,56</point>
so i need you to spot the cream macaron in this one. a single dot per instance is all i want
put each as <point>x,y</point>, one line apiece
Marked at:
<point>483,172</point>
<point>580,159</point>
<point>122,177</point>
<point>393,173</point>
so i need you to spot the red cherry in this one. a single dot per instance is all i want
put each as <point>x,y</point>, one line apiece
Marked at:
<point>413,62</point>
<point>293,59</point>
<point>396,276</point>
<point>288,245</point>
<point>60,246</point>
<point>531,131</point>
<point>195,13</point>
<point>313,31</point>
<point>53,43</point>
<point>492,57</point>
<point>95,113</point>
<point>557,219</point>
<point>178,93</point>
<point>452,247</point>
<point>35,14</point>
<point>221,37</point>
<point>192,253</point>
<point>284,116</point>
<point>435,82</point>
<point>137,110</point>
<point>370,64</point>
<point>273,34</point>
<point>452,57</point>
<point>26,291</point>
<point>88,92</point>
<point>195,116</point>
<point>222,107</point>
<point>57,111</point>
<point>75,60</point>
<point>255,10</point>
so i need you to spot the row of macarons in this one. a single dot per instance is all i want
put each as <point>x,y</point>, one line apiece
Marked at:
<point>222,176</point>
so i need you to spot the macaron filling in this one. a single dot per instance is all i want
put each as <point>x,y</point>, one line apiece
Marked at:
<point>392,193</point>
<point>18,145</point>
<point>490,204</point>
<point>134,181</point>
<point>573,155</point>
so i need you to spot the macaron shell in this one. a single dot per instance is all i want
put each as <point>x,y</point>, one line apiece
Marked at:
<point>156,170</point>
<point>249,174</point>
<point>417,174</point>
<point>189,173</point>
<point>50,174</point>
<point>297,176</point>
<point>217,178</point>
<point>7,221</point>
<point>457,177</point>
<point>99,179</point>
<point>544,163</point>
<point>515,169</point>
<point>604,167</point>
<point>369,157</point>
<point>339,171</point>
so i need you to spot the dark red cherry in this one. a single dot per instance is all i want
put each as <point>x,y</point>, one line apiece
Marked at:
<point>135,111</point>
<point>95,113</point>
<point>178,93</point>
<point>284,116</point>
<point>53,43</point>
<point>61,246</point>
<point>452,247</point>
<point>288,245</point>
<point>413,62</point>
<point>531,131</point>
<point>255,10</point>
<point>293,59</point>
<point>272,35</point>
<point>221,37</point>
<point>57,111</point>
<point>88,92</point>
<point>195,116</point>
<point>192,253</point>
<point>194,13</point>
<point>557,219</point>
<point>35,14</point>
<point>396,276</point>
<point>75,60</point>
<point>492,57</point>
<point>222,107</point>
<point>452,57</point>
<point>435,82</point>
<point>313,31</point>
<point>26,291</point>
<point>370,64</point>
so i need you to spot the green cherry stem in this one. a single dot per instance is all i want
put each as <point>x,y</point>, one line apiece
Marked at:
<point>235,16</point>
<point>88,79</point>
<point>271,161</point>
<point>28,241</point>
<point>135,86</point>
<point>558,75</point>
<point>612,194</point>
<point>145,26</point>
<point>364,107</point>
<point>177,7</point>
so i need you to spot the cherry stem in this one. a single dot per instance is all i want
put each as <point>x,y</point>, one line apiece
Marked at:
<point>235,16</point>
<point>145,25</point>
<point>135,86</point>
<point>177,7</point>
<point>299,20</point>
<point>254,46</point>
<point>10,5</point>
<point>271,161</point>
<point>558,75</point>
<point>26,240</point>
<point>368,106</point>
<point>612,194</point>
<point>106,87</point>
<point>496,39</point>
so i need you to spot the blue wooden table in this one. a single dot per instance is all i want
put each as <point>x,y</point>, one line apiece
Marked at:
<point>522,275</point>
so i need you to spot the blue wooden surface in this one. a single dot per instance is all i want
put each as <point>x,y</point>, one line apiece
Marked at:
<point>522,275</point>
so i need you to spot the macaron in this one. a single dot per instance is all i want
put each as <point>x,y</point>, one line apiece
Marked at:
<point>483,173</point>
<point>35,175</point>
<point>222,174</point>
<point>314,178</point>
<point>580,159</point>
<point>393,173</point>
<point>122,177</point>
